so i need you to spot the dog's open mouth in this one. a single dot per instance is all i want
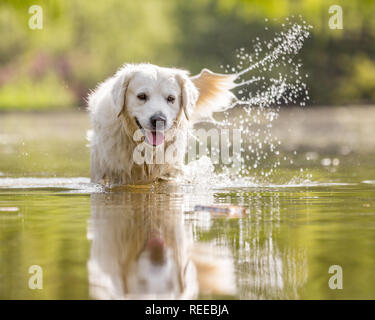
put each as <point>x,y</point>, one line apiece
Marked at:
<point>154,138</point>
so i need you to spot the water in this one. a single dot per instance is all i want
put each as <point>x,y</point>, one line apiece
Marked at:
<point>267,76</point>
<point>93,243</point>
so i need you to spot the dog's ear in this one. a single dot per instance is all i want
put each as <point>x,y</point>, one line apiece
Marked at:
<point>119,86</point>
<point>189,93</point>
<point>214,93</point>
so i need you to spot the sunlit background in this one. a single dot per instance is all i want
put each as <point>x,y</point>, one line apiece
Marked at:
<point>82,43</point>
<point>316,211</point>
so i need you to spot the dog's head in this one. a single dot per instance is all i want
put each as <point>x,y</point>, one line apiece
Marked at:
<point>153,99</point>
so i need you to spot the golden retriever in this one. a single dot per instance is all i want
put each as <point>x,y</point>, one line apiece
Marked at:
<point>143,104</point>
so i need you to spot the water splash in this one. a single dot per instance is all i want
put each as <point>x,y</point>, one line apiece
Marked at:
<point>267,78</point>
<point>67,185</point>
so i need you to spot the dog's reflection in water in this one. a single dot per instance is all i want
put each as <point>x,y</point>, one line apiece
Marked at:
<point>143,249</point>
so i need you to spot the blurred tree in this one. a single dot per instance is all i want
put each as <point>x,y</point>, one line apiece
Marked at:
<point>83,42</point>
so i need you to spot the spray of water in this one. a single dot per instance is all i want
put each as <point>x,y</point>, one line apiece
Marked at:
<point>268,77</point>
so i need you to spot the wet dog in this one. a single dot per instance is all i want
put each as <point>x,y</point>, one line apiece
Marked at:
<point>147,104</point>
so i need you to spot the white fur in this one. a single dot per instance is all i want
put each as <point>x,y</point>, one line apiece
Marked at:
<point>114,106</point>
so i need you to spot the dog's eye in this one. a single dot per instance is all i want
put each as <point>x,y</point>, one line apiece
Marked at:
<point>171,99</point>
<point>142,96</point>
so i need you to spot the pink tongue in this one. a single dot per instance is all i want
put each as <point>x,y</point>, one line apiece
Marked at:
<point>155,138</point>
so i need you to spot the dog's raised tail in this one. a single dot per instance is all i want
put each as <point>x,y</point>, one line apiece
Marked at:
<point>214,93</point>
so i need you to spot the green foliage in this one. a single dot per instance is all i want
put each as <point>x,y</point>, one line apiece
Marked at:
<point>362,84</point>
<point>83,42</point>
<point>28,95</point>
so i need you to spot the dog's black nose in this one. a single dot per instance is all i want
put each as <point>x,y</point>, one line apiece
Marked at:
<point>158,121</point>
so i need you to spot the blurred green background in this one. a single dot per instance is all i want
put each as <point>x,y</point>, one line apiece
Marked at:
<point>83,42</point>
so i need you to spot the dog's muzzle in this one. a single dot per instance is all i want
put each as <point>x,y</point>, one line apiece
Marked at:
<point>154,137</point>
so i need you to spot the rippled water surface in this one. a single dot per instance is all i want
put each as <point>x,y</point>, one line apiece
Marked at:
<point>142,242</point>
